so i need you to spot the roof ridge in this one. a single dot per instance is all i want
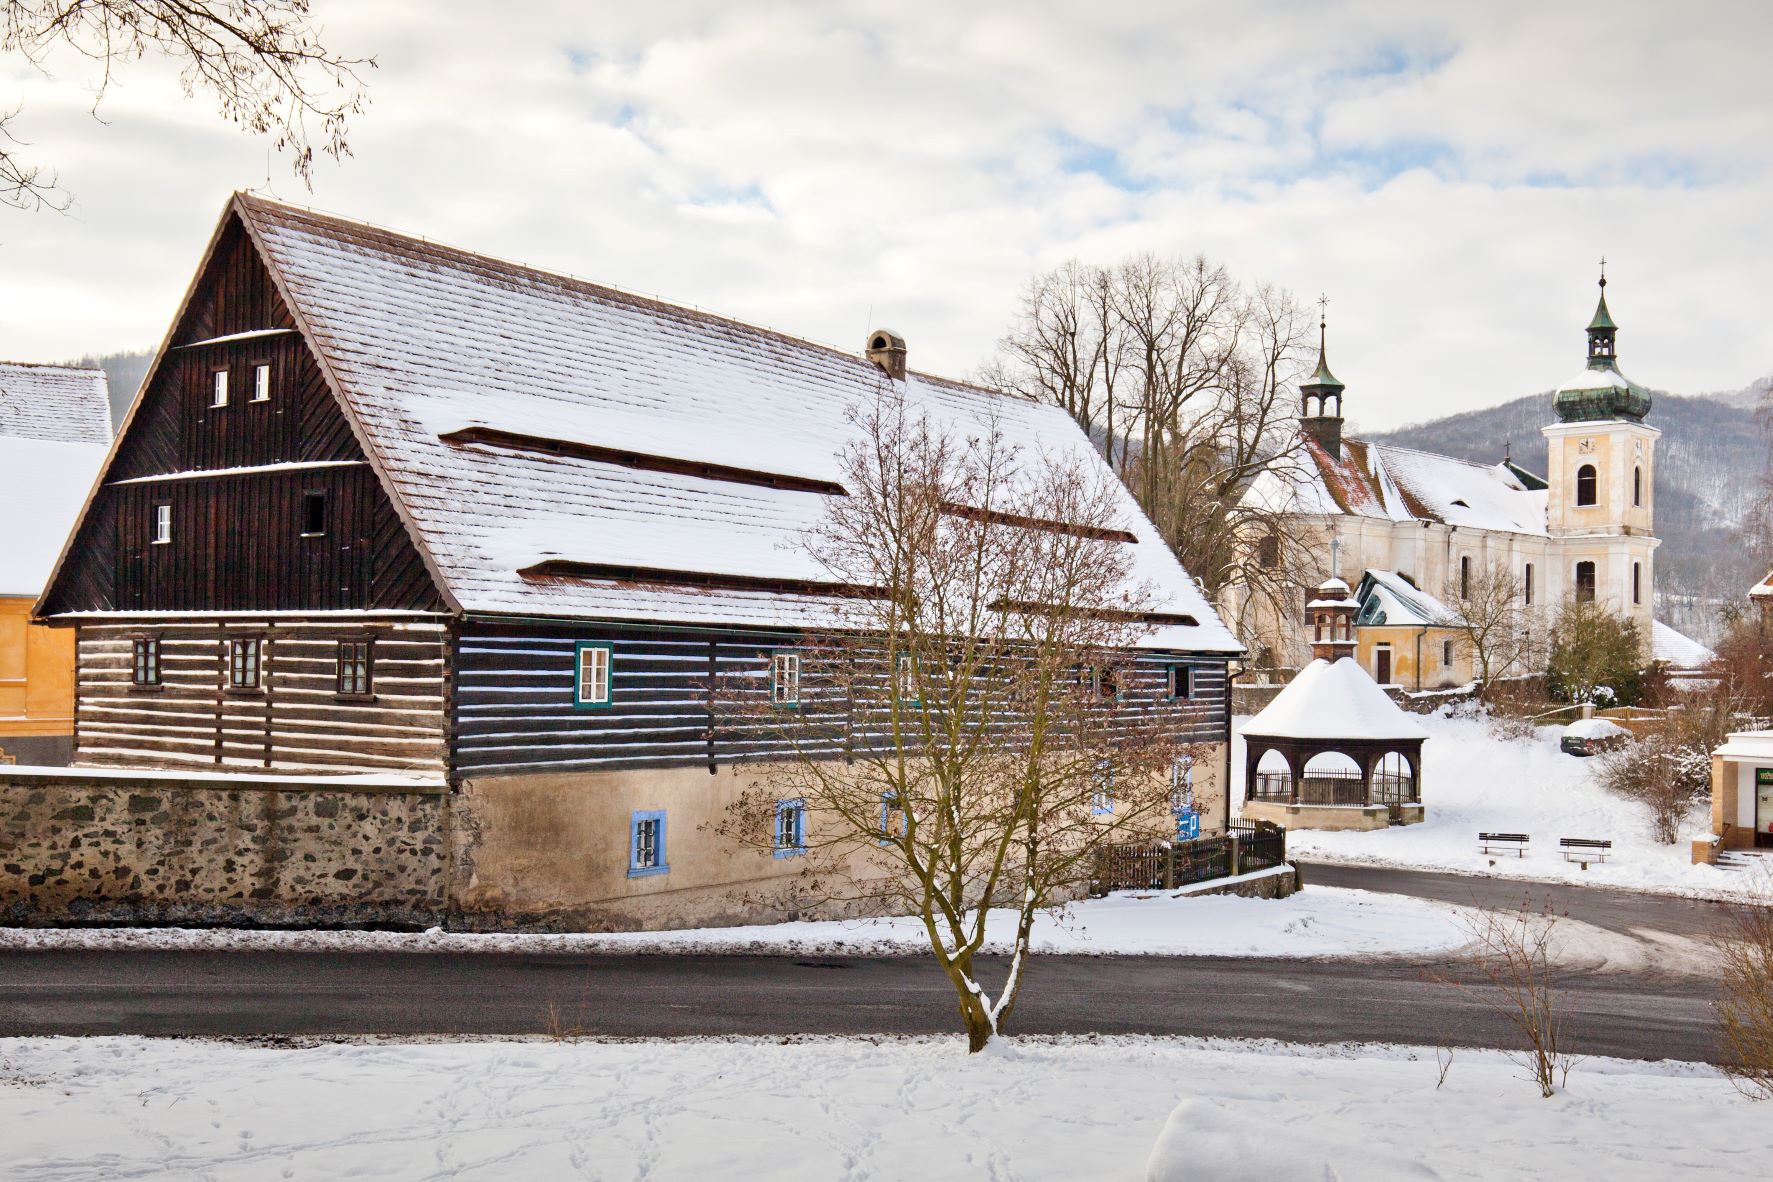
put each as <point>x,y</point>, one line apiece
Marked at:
<point>1478,464</point>
<point>61,365</point>
<point>591,287</point>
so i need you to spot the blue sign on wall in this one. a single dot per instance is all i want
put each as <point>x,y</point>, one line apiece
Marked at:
<point>1187,824</point>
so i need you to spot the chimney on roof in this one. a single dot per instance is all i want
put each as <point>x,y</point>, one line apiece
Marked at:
<point>886,349</point>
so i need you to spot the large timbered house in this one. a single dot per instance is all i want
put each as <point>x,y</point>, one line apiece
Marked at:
<point>390,508</point>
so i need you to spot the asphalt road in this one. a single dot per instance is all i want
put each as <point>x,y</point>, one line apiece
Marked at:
<point>1633,1015</point>
<point>1615,910</point>
<point>311,993</point>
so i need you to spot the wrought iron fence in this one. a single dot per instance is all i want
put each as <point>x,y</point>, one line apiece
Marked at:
<point>1333,788</point>
<point>1157,865</point>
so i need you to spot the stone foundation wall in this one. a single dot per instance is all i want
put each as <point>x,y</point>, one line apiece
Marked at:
<point>94,850</point>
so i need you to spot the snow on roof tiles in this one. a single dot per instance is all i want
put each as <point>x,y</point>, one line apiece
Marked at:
<point>1333,700</point>
<point>1401,602</point>
<point>426,340</point>
<point>58,403</point>
<point>1381,481</point>
<point>1680,651</point>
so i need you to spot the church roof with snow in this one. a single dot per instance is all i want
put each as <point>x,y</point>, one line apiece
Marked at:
<point>566,449</point>
<point>1382,481</point>
<point>1333,700</point>
<point>1389,599</point>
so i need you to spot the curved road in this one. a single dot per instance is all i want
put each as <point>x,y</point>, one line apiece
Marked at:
<point>1634,1015</point>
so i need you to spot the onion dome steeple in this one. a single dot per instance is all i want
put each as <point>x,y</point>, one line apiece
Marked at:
<point>1321,396</point>
<point>1600,391</point>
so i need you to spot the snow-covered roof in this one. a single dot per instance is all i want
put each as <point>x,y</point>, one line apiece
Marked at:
<point>1679,651</point>
<point>1333,700</point>
<point>1388,599</point>
<point>1762,589</point>
<point>59,403</point>
<point>1382,481</point>
<point>424,341</point>
<point>1596,379</point>
<point>1755,745</point>
<point>42,486</point>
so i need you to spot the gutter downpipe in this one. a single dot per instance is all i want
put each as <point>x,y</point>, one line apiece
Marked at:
<point>1420,633</point>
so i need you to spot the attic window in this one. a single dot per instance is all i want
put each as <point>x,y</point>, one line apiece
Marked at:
<point>1462,504</point>
<point>162,529</point>
<point>219,394</point>
<point>313,514</point>
<point>261,383</point>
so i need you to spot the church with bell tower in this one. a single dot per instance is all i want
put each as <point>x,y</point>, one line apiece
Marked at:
<point>1414,532</point>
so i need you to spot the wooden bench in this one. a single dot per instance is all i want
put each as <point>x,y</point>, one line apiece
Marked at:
<point>1585,849</point>
<point>1503,843</point>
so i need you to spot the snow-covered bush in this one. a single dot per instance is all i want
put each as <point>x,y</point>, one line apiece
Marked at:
<point>1668,767</point>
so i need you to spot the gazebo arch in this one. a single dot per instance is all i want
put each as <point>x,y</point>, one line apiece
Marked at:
<point>1332,750</point>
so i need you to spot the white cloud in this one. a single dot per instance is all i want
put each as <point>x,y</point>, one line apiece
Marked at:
<point>1447,175</point>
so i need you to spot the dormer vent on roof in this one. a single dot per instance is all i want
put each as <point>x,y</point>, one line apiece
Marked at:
<point>886,349</point>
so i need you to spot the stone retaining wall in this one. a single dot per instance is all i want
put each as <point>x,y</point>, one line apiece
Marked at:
<point>98,850</point>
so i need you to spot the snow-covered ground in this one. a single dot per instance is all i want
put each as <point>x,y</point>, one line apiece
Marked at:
<point>1320,921</point>
<point>1473,782</point>
<point>822,1109</point>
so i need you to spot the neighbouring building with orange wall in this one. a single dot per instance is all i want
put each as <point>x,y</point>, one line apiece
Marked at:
<point>55,428</point>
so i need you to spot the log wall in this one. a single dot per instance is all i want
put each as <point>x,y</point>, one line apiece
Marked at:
<point>297,721</point>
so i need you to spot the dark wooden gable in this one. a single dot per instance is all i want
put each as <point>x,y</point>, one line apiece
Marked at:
<point>238,537</point>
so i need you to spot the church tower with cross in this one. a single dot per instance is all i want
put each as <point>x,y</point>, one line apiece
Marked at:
<point>1601,477</point>
<point>1417,534</point>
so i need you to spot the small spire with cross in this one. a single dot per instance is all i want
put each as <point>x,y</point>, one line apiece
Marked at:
<point>1603,272</point>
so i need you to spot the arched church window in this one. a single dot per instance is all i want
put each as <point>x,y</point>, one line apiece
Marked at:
<point>1527,585</point>
<point>1268,552</point>
<point>1465,576</point>
<point>1585,485</point>
<point>1585,582</point>
<point>1637,486</point>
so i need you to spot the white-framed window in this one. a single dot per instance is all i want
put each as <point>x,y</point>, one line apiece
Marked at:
<point>906,679</point>
<point>790,828</point>
<point>218,394</point>
<point>261,383</point>
<point>243,663</point>
<point>162,529</point>
<point>592,676</point>
<point>785,679</point>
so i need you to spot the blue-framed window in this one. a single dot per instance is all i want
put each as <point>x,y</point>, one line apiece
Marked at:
<point>785,680</point>
<point>1102,789</point>
<point>646,843</point>
<point>593,669</point>
<point>1179,682</point>
<point>790,828</point>
<point>892,816</point>
<point>1182,784</point>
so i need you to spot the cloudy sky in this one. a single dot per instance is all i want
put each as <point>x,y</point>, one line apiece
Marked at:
<point>1448,174</point>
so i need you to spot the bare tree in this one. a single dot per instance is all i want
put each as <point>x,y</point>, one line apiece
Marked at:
<point>970,731</point>
<point>1497,628</point>
<point>261,60</point>
<point>1745,998</point>
<point>1511,953</point>
<point>1185,378</point>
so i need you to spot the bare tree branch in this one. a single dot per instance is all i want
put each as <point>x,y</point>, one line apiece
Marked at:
<point>261,60</point>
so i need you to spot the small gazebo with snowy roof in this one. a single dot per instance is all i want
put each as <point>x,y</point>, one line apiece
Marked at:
<point>1332,751</point>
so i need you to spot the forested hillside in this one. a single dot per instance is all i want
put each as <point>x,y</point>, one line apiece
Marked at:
<point>1710,460</point>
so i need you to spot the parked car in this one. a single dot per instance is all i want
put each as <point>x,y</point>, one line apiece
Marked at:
<point>1591,736</point>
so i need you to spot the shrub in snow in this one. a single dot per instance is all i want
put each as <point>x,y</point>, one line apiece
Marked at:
<point>1204,1141</point>
<point>1668,768</point>
<point>1745,1002</point>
